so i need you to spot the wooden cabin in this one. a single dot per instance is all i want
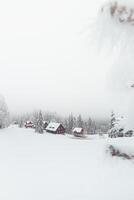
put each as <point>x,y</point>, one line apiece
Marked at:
<point>29,124</point>
<point>78,132</point>
<point>55,128</point>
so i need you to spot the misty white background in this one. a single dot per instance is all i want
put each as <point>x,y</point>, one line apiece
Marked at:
<point>46,59</point>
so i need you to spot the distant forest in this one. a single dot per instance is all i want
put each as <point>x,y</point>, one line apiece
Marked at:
<point>90,125</point>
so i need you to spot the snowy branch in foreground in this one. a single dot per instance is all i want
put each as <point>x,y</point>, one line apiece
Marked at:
<point>121,12</point>
<point>114,34</point>
<point>114,26</point>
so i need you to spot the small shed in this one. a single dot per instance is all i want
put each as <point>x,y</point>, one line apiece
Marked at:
<point>29,124</point>
<point>78,132</point>
<point>55,128</point>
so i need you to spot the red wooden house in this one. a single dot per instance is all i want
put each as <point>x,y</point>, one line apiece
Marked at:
<point>78,132</point>
<point>55,128</point>
<point>29,124</point>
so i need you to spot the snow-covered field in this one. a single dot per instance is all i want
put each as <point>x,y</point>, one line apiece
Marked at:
<point>57,167</point>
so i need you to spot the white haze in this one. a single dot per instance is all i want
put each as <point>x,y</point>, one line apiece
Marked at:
<point>47,61</point>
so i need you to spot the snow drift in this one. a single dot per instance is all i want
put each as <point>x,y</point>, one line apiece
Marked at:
<point>56,167</point>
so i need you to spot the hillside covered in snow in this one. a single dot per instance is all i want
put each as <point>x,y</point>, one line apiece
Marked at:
<point>59,167</point>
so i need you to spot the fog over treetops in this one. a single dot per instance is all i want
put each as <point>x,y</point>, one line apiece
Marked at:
<point>48,60</point>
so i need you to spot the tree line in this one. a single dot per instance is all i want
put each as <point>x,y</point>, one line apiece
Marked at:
<point>90,126</point>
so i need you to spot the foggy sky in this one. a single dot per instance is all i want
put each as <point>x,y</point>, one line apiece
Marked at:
<point>46,59</point>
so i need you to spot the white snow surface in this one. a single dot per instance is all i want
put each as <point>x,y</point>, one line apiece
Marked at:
<point>56,167</point>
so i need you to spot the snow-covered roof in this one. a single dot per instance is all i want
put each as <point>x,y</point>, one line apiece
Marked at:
<point>29,122</point>
<point>45,122</point>
<point>52,126</point>
<point>77,129</point>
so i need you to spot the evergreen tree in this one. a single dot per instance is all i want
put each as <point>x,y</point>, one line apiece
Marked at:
<point>94,128</point>
<point>89,125</point>
<point>116,126</point>
<point>39,125</point>
<point>112,132</point>
<point>71,123</point>
<point>80,122</point>
<point>21,122</point>
<point>4,114</point>
<point>113,120</point>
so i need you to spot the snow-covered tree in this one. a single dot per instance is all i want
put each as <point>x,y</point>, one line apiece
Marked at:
<point>35,117</point>
<point>113,120</point>
<point>4,114</point>
<point>21,122</point>
<point>80,122</point>
<point>120,10</point>
<point>39,125</point>
<point>115,31</point>
<point>89,125</point>
<point>70,123</point>
<point>117,126</point>
<point>113,126</point>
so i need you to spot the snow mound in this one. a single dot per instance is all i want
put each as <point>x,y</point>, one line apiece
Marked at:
<point>123,145</point>
<point>55,167</point>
